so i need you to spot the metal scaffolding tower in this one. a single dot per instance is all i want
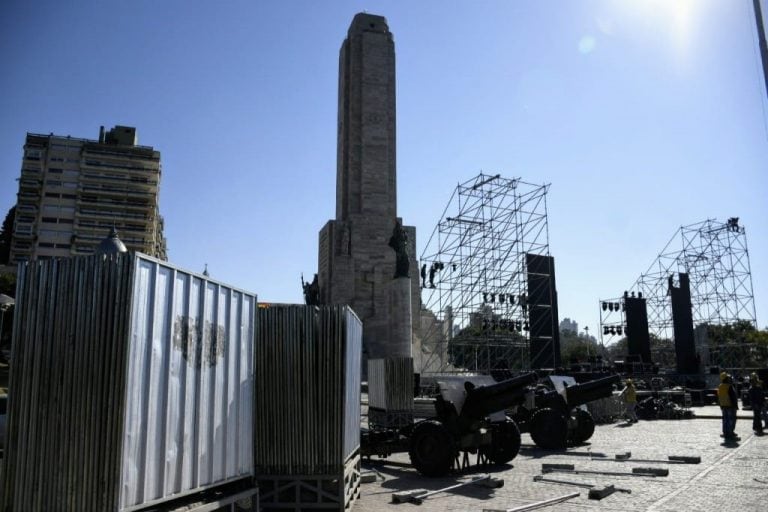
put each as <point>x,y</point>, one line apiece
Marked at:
<point>474,310</point>
<point>714,255</point>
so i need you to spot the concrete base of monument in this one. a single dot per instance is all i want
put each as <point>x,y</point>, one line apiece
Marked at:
<point>401,341</point>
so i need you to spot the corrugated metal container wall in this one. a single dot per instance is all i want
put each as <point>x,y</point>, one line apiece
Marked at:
<point>131,382</point>
<point>390,384</point>
<point>307,389</point>
<point>189,402</point>
<point>352,405</point>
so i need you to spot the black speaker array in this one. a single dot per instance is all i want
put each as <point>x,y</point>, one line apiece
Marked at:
<point>682,324</point>
<point>638,339</point>
<point>542,311</point>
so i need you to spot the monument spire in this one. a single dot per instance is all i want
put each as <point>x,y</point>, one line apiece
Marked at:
<point>365,175</point>
<point>356,263</point>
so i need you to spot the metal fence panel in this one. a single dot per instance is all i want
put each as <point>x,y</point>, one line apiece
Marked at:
<point>307,389</point>
<point>390,384</point>
<point>353,359</point>
<point>67,385</point>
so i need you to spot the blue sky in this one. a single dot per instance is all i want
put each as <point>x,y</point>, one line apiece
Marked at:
<point>644,116</point>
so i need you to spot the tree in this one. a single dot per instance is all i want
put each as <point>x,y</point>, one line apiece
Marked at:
<point>617,351</point>
<point>6,233</point>
<point>738,344</point>
<point>662,351</point>
<point>577,348</point>
<point>737,332</point>
<point>8,284</point>
<point>496,347</point>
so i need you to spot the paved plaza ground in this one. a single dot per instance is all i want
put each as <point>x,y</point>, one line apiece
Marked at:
<point>730,477</point>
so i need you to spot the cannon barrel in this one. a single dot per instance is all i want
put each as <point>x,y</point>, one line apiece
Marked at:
<point>484,400</point>
<point>585,392</point>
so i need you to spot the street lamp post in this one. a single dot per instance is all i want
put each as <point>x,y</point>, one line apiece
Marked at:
<point>586,335</point>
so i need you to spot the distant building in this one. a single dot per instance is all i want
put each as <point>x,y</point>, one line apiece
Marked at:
<point>72,192</point>
<point>569,325</point>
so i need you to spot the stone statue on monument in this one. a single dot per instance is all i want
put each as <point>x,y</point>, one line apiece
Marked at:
<point>311,291</point>
<point>399,242</point>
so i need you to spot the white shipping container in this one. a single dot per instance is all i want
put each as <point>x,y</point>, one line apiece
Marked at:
<point>189,403</point>
<point>131,384</point>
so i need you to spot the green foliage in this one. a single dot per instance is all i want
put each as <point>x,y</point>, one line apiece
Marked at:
<point>738,344</point>
<point>6,233</point>
<point>577,348</point>
<point>618,350</point>
<point>662,351</point>
<point>737,332</point>
<point>475,348</point>
<point>8,284</point>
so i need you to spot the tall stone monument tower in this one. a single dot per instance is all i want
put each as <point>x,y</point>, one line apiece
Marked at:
<point>356,264</point>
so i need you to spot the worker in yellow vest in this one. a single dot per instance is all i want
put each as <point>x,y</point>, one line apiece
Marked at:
<point>630,400</point>
<point>726,397</point>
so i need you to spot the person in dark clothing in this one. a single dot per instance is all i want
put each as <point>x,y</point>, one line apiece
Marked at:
<point>726,397</point>
<point>757,401</point>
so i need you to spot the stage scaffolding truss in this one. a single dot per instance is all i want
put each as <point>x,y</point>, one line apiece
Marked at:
<point>714,254</point>
<point>473,274</point>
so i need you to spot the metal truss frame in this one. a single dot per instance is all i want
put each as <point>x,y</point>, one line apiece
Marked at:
<point>474,276</point>
<point>715,256</point>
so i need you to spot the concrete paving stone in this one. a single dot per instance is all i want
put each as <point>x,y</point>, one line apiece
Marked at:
<point>722,481</point>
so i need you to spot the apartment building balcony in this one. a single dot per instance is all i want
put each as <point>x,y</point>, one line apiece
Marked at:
<point>113,204</point>
<point>29,183</point>
<point>86,226</point>
<point>148,183</point>
<point>112,214</point>
<point>24,234</point>
<point>118,191</point>
<point>26,207</point>
<point>28,196</point>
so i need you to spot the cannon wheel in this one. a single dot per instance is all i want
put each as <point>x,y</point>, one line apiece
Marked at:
<point>432,448</point>
<point>549,429</point>
<point>585,426</point>
<point>505,442</point>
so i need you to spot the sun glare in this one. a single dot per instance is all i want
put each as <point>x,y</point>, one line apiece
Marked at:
<point>672,19</point>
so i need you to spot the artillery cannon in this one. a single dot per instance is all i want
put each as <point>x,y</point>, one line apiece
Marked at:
<point>469,417</point>
<point>555,416</point>
<point>468,420</point>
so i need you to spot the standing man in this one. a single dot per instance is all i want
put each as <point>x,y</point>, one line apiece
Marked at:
<point>757,400</point>
<point>630,400</point>
<point>726,397</point>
